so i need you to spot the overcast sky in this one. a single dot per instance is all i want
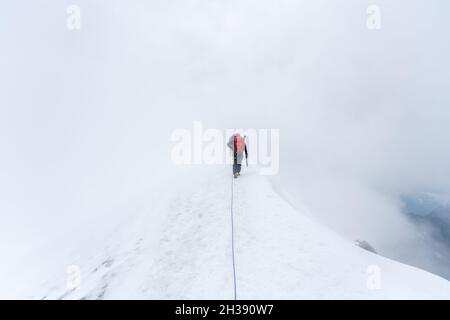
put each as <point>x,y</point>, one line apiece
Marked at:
<point>86,116</point>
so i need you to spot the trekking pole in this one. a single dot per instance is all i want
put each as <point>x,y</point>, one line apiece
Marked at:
<point>246,153</point>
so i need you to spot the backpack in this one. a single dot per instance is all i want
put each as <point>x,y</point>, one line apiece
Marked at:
<point>239,143</point>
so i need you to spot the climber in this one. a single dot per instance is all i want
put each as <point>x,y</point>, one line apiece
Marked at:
<point>237,144</point>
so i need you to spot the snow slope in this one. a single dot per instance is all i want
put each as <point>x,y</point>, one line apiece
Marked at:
<point>175,243</point>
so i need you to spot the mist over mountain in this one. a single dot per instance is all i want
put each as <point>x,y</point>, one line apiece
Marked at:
<point>430,214</point>
<point>86,116</point>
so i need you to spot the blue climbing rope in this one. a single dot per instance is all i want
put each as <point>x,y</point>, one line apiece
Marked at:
<point>232,239</point>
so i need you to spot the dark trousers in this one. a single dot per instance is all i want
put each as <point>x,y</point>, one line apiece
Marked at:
<point>236,168</point>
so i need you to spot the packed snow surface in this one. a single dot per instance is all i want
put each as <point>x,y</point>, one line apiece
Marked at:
<point>175,243</point>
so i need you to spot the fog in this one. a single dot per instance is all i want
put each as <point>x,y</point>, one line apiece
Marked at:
<point>86,116</point>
